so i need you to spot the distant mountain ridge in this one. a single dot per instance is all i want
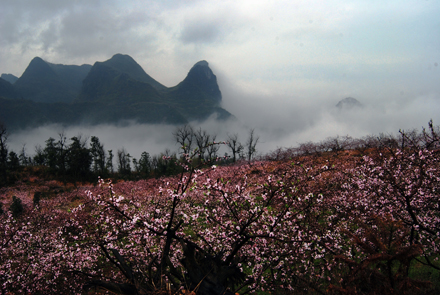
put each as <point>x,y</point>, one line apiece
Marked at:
<point>9,77</point>
<point>7,89</point>
<point>49,83</point>
<point>107,92</point>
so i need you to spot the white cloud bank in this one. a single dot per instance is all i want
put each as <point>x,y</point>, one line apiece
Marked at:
<point>281,65</point>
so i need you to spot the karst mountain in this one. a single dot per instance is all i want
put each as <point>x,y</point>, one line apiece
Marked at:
<point>107,92</point>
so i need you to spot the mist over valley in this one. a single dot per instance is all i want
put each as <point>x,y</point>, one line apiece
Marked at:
<point>131,77</point>
<point>118,103</point>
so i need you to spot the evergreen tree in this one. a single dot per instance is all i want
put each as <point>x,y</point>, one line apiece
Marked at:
<point>39,158</point>
<point>79,159</point>
<point>145,164</point>
<point>3,154</point>
<point>50,154</point>
<point>13,161</point>
<point>98,156</point>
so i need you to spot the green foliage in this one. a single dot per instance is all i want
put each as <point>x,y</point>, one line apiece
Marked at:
<point>144,165</point>
<point>13,161</point>
<point>79,160</point>
<point>98,156</point>
<point>421,270</point>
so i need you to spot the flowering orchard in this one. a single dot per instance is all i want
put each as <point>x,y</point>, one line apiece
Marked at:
<point>324,224</point>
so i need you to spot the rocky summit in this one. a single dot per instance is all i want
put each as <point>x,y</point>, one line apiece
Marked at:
<point>107,92</point>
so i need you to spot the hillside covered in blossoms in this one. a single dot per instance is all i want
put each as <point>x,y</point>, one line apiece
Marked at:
<point>344,217</point>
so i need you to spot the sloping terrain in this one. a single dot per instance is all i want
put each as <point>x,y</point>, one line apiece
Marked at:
<point>360,221</point>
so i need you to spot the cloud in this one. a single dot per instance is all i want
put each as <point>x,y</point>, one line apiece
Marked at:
<point>277,124</point>
<point>211,23</point>
<point>281,65</point>
<point>135,138</point>
<point>200,31</point>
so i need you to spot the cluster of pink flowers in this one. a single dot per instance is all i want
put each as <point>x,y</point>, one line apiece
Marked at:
<point>302,226</point>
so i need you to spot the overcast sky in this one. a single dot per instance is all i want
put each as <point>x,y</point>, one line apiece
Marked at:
<point>281,65</point>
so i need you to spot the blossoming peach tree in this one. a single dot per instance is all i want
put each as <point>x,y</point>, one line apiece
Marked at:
<point>300,226</point>
<point>216,231</point>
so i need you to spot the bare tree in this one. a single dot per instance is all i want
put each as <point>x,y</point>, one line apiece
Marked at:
<point>184,136</point>
<point>212,149</point>
<point>109,161</point>
<point>24,159</point>
<point>251,144</point>
<point>235,146</point>
<point>61,151</point>
<point>431,139</point>
<point>202,140</point>
<point>123,162</point>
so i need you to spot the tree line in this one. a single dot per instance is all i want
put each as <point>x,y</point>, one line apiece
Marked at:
<point>79,159</point>
<point>426,138</point>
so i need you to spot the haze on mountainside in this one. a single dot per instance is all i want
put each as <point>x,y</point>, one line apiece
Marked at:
<point>111,92</point>
<point>107,92</point>
<point>111,98</point>
<point>281,66</point>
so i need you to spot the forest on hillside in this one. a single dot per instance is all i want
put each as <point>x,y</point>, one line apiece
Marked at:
<point>342,216</point>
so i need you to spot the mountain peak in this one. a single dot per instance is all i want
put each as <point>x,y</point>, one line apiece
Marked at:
<point>36,59</point>
<point>46,82</point>
<point>38,67</point>
<point>127,65</point>
<point>202,70</point>
<point>349,103</point>
<point>124,57</point>
<point>202,77</point>
<point>202,63</point>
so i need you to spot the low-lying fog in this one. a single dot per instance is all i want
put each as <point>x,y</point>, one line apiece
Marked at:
<point>290,61</point>
<point>278,120</point>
